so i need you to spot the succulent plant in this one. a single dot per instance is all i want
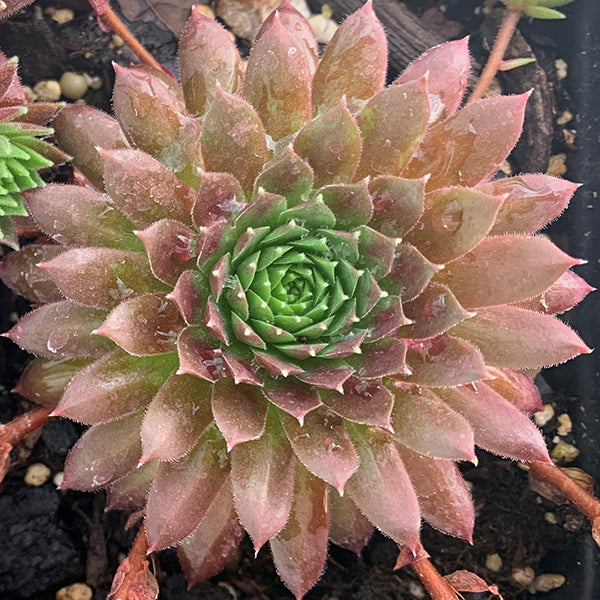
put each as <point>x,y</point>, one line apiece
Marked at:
<point>291,298</point>
<point>22,153</point>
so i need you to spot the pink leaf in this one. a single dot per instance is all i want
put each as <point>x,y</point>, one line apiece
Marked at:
<point>102,277</point>
<point>289,177</point>
<point>447,67</point>
<point>116,385</point>
<point>78,216</point>
<point>516,338</point>
<point>348,527</point>
<point>240,411</point>
<point>533,201</point>
<point>61,329</point>
<point>455,220</point>
<point>465,581</point>
<point>219,196</point>
<point>129,492</point>
<point>279,73</point>
<point>392,124</point>
<point>350,203</point>
<point>293,397</point>
<point>377,251</point>
<point>262,476</point>
<point>189,296</point>
<point>444,499</point>
<point>213,543</point>
<point>93,463</point>
<point>354,64</point>
<point>381,489</point>
<point>469,147</point>
<point>207,58</point>
<point>177,416</point>
<point>322,444</point>
<point>183,491</point>
<point>505,269</point>
<point>382,358</point>
<point>144,189</point>
<point>198,354</point>
<point>425,424</point>
<point>243,150</point>
<point>498,425</point>
<point>300,549</point>
<point>516,387</point>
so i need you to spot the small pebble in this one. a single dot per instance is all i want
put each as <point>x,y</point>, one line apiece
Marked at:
<point>506,168</point>
<point>117,41</point>
<point>416,590</point>
<point>565,118</point>
<point>564,453</point>
<point>302,7</point>
<point>493,562</point>
<point>37,474</point>
<point>47,91</point>
<point>205,10</point>
<point>544,416</point>
<point>58,478</point>
<point>63,15</point>
<point>323,28</point>
<point>75,591</point>
<point>550,518</point>
<point>73,85</point>
<point>556,165</point>
<point>561,68</point>
<point>523,576</point>
<point>570,135</point>
<point>31,97</point>
<point>564,424</point>
<point>546,582</point>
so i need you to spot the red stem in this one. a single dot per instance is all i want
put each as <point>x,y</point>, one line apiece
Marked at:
<point>436,585</point>
<point>14,431</point>
<point>505,33</point>
<point>589,505</point>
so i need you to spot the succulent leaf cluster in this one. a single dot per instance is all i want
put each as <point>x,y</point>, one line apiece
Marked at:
<point>22,152</point>
<point>291,298</point>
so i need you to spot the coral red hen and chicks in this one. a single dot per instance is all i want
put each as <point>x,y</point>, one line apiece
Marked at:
<point>291,298</point>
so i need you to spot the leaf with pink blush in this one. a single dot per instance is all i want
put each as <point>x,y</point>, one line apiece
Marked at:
<point>41,113</point>
<point>154,119</point>
<point>290,177</point>
<point>323,445</point>
<point>376,251</point>
<point>397,204</point>
<point>498,425</point>
<point>367,402</point>
<point>428,426</point>
<point>444,499</point>
<point>296,24</point>
<point>455,220</point>
<point>262,477</point>
<point>219,196</point>
<point>533,201</point>
<point>144,189</point>
<point>505,269</point>
<point>331,145</point>
<point>278,79</point>
<point>116,385</point>
<point>517,338</point>
<point>350,203</point>
<point>93,464</point>
<point>171,249</point>
<point>240,369</point>
<point>61,329</point>
<point>21,273</point>
<point>392,124</point>
<point>264,208</point>
<point>469,147</point>
<point>434,312</point>
<point>381,489</point>
<point>147,324</point>
<point>80,130</point>
<point>447,69</point>
<point>213,543</point>
<point>79,216</point>
<point>198,354</point>
<point>233,139</point>
<point>354,64</point>
<point>102,277</point>
<point>300,549</point>
<point>240,411</point>
<point>382,358</point>
<point>177,416</point>
<point>129,492</point>
<point>190,294</point>
<point>292,396</point>
<point>207,58</point>
<point>385,319</point>
<point>410,273</point>
<point>183,490</point>
<point>567,291</point>
<point>331,376</point>
<point>348,527</point>
<point>44,380</point>
<point>443,361</point>
<point>516,387</point>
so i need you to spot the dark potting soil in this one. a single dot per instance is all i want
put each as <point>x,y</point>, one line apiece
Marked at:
<point>50,538</point>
